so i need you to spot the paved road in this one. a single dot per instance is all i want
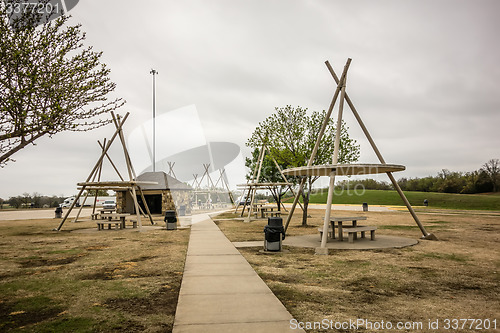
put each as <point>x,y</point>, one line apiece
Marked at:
<point>371,208</point>
<point>33,214</point>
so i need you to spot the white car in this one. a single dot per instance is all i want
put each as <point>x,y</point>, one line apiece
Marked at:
<point>109,204</point>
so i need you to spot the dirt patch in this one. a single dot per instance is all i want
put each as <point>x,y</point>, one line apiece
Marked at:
<point>124,270</point>
<point>97,248</point>
<point>47,262</point>
<point>162,301</point>
<point>14,315</point>
<point>143,258</point>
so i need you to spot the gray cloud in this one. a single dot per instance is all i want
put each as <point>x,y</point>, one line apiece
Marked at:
<point>424,76</point>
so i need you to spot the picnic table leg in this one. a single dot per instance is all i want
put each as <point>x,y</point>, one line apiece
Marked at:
<point>372,234</point>
<point>122,220</point>
<point>333,229</point>
<point>362,234</point>
<point>341,234</point>
<point>351,237</point>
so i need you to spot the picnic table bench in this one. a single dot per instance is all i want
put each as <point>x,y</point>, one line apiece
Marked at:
<point>351,230</point>
<point>101,224</point>
<point>113,218</point>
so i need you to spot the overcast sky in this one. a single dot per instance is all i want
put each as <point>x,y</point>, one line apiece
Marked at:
<point>424,76</point>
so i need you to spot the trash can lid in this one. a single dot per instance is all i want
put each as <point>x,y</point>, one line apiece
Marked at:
<point>275,221</point>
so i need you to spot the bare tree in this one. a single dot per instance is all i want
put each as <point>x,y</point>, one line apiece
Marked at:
<point>49,82</point>
<point>492,169</point>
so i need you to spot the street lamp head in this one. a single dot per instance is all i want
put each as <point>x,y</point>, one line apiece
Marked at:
<point>153,71</point>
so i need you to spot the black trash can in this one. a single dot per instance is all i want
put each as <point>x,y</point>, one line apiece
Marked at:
<point>58,212</point>
<point>274,234</point>
<point>170,219</point>
<point>365,206</point>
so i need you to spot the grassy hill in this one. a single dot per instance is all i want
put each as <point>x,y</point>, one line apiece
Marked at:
<point>436,200</point>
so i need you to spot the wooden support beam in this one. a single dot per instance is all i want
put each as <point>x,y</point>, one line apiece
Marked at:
<point>426,234</point>
<point>316,146</point>
<point>119,127</point>
<point>335,160</point>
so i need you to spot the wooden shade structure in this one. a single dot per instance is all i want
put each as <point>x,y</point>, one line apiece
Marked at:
<point>253,184</point>
<point>211,186</point>
<point>345,169</point>
<point>132,185</point>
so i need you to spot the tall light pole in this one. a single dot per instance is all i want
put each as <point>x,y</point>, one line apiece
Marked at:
<point>154,72</point>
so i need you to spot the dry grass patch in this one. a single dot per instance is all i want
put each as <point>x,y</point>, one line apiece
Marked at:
<point>108,281</point>
<point>456,277</point>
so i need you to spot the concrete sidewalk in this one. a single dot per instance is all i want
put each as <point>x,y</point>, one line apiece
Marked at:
<point>220,291</point>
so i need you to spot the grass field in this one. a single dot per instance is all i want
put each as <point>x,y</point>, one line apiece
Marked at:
<point>436,200</point>
<point>456,277</point>
<point>81,280</point>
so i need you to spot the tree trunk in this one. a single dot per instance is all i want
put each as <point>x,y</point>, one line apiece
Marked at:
<point>306,196</point>
<point>305,202</point>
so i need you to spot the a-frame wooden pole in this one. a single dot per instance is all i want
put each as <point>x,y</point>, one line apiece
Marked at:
<point>93,170</point>
<point>132,176</point>
<point>110,161</point>
<point>98,179</point>
<point>247,191</point>
<point>426,235</point>
<point>282,175</point>
<point>335,160</point>
<point>250,210</point>
<point>224,183</point>
<point>316,146</point>
<point>98,171</point>
<point>119,174</point>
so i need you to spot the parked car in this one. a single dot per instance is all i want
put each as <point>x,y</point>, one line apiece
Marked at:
<point>109,204</point>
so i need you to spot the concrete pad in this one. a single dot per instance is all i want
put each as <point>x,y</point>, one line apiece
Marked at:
<point>235,308</point>
<point>224,285</point>
<point>313,241</point>
<point>260,327</point>
<point>219,269</point>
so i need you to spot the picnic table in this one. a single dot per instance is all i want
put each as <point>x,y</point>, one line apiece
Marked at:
<point>269,211</point>
<point>102,213</point>
<point>118,220</point>
<point>351,229</point>
<point>339,220</point>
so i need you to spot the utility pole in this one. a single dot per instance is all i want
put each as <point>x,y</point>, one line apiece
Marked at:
<point>154,72</point>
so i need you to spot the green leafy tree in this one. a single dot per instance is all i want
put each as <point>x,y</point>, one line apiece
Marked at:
<point>100,193</point>
<point>492,169</point>
<point>291,135</point>
<point>49,82</point>
<point>15,202</point>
